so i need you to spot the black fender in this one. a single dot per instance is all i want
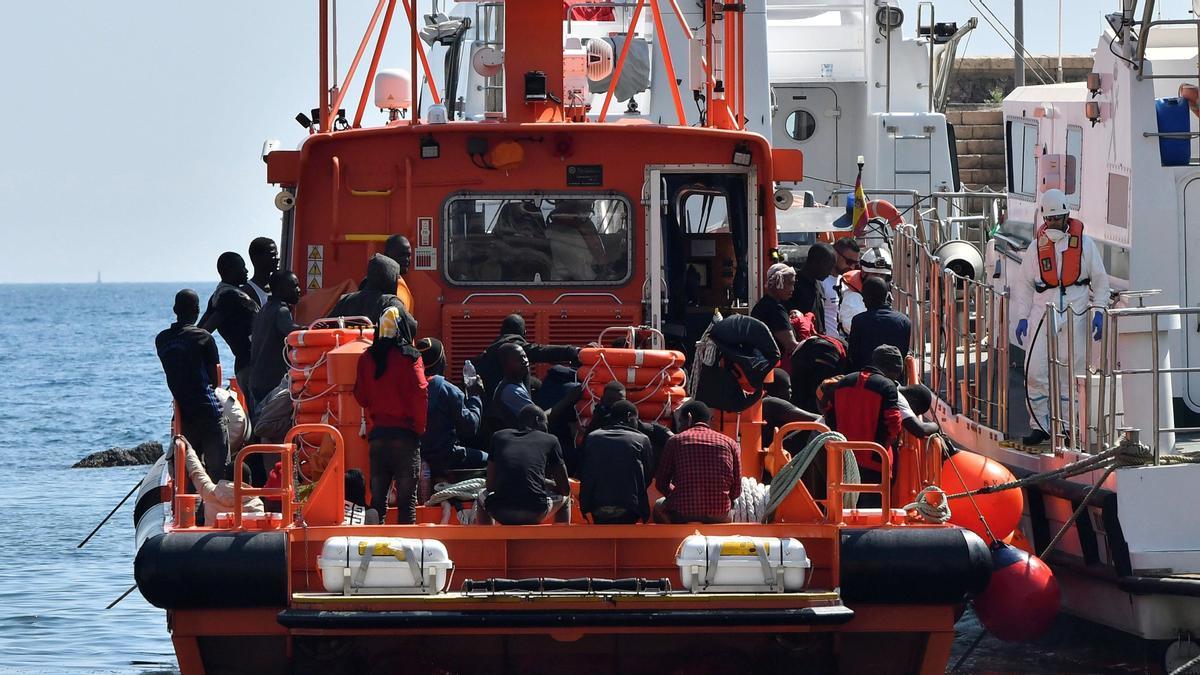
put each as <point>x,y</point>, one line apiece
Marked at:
<point>201,570</point>
<point>913,565</point>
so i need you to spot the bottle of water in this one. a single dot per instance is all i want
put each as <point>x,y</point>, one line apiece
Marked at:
<point>469,374</point>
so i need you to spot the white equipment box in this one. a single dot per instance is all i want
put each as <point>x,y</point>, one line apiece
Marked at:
<point>742,564</point>
<point>384,566</point>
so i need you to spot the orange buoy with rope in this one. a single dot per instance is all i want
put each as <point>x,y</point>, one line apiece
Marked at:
<point>999,512</point>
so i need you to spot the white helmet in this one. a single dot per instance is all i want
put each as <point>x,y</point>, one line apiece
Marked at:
<point>1054,203</point>
<point>876,260</point>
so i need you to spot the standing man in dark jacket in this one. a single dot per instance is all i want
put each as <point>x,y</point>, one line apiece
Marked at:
<point>879,325</point>
<point>612,483</point>
<point>512,331</point>
<point>271,328</point>
<point>399,249</point>
<point>391,385</point>
<point>231,312</point>
<point>809,294</point>
<point>190,362</point>
<point>454,418</point>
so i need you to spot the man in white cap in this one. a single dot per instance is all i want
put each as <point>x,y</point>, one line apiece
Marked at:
<point>1062,266</point>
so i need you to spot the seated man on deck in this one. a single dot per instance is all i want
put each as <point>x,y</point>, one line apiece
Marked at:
<point>453,417</point>
<point>658,434</point>
<point>519,462</point>
<point>700,471</point>
<point>612,482</point>
<point>512,395</point>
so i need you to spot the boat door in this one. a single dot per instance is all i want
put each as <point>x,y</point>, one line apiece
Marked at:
<point>1191,288</point>
<point>808,119</point>
<point>703,243</point>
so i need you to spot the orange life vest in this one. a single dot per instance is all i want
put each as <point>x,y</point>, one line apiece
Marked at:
<point>1072,258</point>
<point>853,280</point>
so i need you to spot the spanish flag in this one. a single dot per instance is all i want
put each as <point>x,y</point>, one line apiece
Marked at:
<point>860,205</point>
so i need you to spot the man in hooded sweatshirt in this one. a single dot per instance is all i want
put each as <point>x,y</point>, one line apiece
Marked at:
<point>376,294</point>
<point>512,331</point>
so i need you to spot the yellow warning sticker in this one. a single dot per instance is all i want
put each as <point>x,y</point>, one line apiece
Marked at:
<point>743,548</point>
<point>316,252</point>
<point>381,548</point>
<point>314,282</point>
<point>314,268</point>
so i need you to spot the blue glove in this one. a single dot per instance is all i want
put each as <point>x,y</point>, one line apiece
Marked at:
<point>1022,331</point>
<point>1097,326</point>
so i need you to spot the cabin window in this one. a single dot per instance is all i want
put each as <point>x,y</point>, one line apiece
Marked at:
<point>537,238</point>
<point>801,125</point>
<point>704,212</point>
<point>1074,166</point>
<point>1022,163</point>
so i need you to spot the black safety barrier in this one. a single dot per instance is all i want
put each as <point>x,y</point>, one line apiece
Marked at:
<point>913,565</point>
<point>199,570</point>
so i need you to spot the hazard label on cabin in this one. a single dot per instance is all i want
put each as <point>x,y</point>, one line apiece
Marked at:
<point>314,267</point>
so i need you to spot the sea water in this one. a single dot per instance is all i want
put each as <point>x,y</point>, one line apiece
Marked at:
<point>78,373</point>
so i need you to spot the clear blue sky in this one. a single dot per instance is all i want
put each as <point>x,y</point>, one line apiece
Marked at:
<point>133,129</point>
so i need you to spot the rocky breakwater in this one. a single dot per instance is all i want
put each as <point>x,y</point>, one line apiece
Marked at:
<point>145,453</point>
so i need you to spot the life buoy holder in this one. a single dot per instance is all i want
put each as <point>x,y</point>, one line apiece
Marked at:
<point>659,358</point>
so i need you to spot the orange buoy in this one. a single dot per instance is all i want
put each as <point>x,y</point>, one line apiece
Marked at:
<point>637,358</point>
<point>1022,597</point>
<point>674,395</point>
<point>313,375</point>
<point>1002,510</point>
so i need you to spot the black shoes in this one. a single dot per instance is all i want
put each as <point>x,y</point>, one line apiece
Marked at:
<point>1035,437</point>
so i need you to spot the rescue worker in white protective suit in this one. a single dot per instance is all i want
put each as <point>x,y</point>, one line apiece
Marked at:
<point>1062,266</point>
<point>874,262</point>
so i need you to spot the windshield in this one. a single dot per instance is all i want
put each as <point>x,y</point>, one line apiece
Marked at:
<point>561,239</point>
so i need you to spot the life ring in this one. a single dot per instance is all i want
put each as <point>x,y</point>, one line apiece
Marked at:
<point>632,377</point>
<point>299,357</point>
<point>310,374</point>
<point>879,209</point>
<point>657,410</point>
<point>637,358</point>
<point>325,337</point>
<point>659,395</point>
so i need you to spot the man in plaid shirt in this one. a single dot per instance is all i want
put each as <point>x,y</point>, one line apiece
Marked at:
<point>700,471</point>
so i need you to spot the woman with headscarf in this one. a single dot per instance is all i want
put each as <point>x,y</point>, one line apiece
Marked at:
<point>391,387</point>
<point>781,281</point>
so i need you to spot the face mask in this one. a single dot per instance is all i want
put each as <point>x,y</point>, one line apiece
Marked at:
<point>1055,235</point>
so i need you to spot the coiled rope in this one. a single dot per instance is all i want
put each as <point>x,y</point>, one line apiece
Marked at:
<point>789,476</point>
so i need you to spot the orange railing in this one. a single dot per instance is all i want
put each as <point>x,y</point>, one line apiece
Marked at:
<point>834,451</point>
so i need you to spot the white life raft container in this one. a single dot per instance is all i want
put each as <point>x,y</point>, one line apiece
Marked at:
<point>384,566</point>
<point>742,564</point>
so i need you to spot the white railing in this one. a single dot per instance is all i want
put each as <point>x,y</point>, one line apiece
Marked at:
<point>959,336</point>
